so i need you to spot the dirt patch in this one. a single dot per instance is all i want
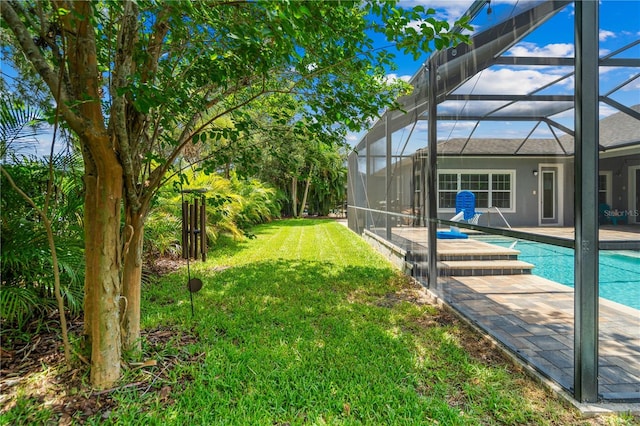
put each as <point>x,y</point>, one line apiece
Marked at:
<point>479,347</point>
<point>34,374</point>
<point>411,295</point>
<point>163,265</point>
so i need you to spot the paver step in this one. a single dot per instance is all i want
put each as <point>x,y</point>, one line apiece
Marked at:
<point>462,268</point>
<point>453,255</point>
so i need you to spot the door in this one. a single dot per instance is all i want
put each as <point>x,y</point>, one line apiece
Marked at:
<point>550,195</point>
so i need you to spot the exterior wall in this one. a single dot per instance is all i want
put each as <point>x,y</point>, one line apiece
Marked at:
<point>393,253</point>
<point>526,211</point>
<point>569,192</point>
<point>370,191</point>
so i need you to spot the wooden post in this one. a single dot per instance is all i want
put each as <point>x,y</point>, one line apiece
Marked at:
<point>185,227</point>
<point>196,231</point>
<point>203,228</point>
<point>192,227</point>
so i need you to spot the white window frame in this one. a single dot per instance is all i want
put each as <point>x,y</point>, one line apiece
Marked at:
<point>609,189</point>
<point>459,172</point>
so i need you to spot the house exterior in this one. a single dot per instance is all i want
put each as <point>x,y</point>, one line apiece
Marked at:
<point>531,182</point>
<point>517,183</point>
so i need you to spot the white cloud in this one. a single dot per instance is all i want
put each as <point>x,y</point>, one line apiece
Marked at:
<point>353,138</point>
<point>634,86</point>
<point>508,81</point>
<point>604,34</point>
<point>393,77</point>
<point>606,110</point>
<point>448,126</point>
<point>446,10</point>
<point>554,50</point>
<point>563,115</point>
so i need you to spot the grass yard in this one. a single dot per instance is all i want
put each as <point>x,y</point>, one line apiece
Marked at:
<point>305,324</point>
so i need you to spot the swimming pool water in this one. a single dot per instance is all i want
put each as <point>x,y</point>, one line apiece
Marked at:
<point>619,271</point>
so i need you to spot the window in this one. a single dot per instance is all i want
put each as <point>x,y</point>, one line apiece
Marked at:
<point>501,190</point>
<point>490,188</point>
<point>604,187</point>
<point>447,190</point>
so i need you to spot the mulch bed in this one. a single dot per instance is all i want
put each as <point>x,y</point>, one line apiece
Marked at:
<point>65,391</point>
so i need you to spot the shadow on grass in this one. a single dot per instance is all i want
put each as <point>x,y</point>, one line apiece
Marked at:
<point>226,245</point>
<point>289,336</point>
<point>300,282</point>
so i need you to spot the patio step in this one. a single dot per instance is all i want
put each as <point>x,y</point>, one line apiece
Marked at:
<point>461,268</point>
<point>471,258</point>
<point>467,268</point>
<point>483,253</point>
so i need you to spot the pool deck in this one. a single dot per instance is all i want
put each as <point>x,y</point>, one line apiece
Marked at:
<point>608,233</point>
<point>518,312</point>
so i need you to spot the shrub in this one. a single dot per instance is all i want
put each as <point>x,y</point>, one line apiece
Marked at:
<point>233,206</point>
<point>27,267</point>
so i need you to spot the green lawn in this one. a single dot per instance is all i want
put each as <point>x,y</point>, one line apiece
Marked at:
<point>305,324</point>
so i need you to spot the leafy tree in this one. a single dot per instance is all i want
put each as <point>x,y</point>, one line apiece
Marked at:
<point>139,81</point>
<point>329,189</point>
<point>277,147</point>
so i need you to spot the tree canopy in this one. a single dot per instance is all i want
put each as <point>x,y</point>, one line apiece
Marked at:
<point>138,81</point>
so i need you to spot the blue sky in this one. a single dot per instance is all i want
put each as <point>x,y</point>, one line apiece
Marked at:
<point>619,26</point>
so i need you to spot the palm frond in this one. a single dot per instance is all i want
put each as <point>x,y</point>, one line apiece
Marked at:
<point>19,123</point>
<point>19,304</point>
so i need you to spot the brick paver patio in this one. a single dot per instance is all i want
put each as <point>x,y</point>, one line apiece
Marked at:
<point>533,317</point>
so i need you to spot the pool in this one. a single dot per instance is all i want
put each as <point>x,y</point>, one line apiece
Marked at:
<point>619,270</point>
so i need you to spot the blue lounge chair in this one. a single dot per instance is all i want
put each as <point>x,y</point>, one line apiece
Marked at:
<point>466,203</point>
<point>465,210</point>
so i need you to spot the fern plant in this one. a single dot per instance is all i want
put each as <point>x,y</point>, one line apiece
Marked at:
<point>232,205</point>
<point>27,275</point>
<point>27,267</point>
<point>261,203</point>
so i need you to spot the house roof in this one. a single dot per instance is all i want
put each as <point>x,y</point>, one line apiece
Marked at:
<point>617,130</point>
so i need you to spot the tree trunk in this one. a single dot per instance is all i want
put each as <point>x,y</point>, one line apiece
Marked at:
<point>103,196</point>
<point>306,191</point>
<point>294,196</point>
<point>132,279</point>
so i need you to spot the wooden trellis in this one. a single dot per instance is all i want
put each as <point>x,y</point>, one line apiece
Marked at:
<point>194,225</point>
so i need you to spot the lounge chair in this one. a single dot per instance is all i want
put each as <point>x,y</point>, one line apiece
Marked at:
<point>465,210</point>
<point>466,204</point>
